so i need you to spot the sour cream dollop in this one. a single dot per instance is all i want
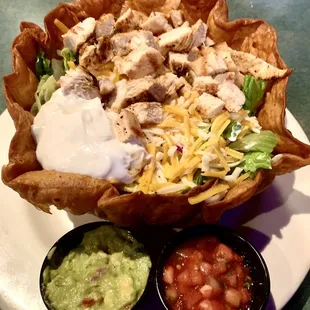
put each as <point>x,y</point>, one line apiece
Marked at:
<point>77,135</point>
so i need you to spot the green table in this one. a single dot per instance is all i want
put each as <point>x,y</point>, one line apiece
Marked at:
<point>290,18</point>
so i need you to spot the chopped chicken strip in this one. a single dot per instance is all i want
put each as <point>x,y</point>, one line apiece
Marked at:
<point>178,63</point>
<point>127,127</point>
<point>147,113</point>
<point>209,106</point>
<point>239,79</point>
<point>140,62</point>
<point>193,54</point>
<point>94,57</point>
<point>80,83</point>
<point>206,84</point>
<point>156,23</point>
<point>79,34</point>
<point>130,20</point>
<point>124,43</point>
<point>105,25</point>
<point>186,86</point>
<point>215,64</point>
<point>177,18</point>
<point>223,51</point>
<point>223,77</point>
<point>250,64</point>
<point>199,33</point>
<point>177,40</point>
<point>209,42</point>
<point>106,86</point>
<point>230,93</point>
<point>199,66</point>
<point>170,82</point>
<point>129,92</point>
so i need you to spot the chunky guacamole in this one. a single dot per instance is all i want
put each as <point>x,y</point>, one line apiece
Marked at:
<point>108,270</point>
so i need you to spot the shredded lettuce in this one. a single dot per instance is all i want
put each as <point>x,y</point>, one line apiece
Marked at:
<point>199,179</point>
<point>265,142</point>
<point>256,160</point>
<point>44,92</point>
<point>253,90</point>
<point>232,131</point>
<point>58,68</point>
<point>68,55</point>
<point>43,66</point>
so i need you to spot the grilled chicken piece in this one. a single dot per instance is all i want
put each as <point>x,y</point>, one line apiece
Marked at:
<point>105,25</point>
<point>177,40</point>
<point>140,62</point>
<point>170,82</point>
<point>230,93</point>
<point>94,57</point>
<point>209,106</point>
<point>124,43</point>
<point>127,127</point>
<point>129,92</point>
<point>223,51</point>
<point>156,23</point>
<point>106,86</point>
<point>215,64</point>
<point>199,66</point>
<point>209,42</point>
<point>223,77</point>
<point>177,18</point>
<point>199,33</point>
<point>193,54</point>
<point>79,34</point>
<point>147,113</point>
<point>178,63</point>
<point>80,83</point>
<point>130,20</point>
<point>206,84</point>
<point>249,64</point>
<point>186,87</point>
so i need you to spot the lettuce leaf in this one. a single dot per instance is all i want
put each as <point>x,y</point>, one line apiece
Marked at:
<point>199,179</point>
<point>253,90</point>
<point>67,55</point>
<point>256,160</point>
<point>46,88</point>
<point>58,68</point>
<point>232,131</point>
<point>43,66</point>
<point>265,141</point>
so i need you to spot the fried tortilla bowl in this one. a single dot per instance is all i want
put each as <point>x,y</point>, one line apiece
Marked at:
<point>81,194</point>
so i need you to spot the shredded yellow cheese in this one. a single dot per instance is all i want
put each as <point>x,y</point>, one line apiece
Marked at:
<point>175,110</point>
<point>215,174</point>
<point>242,178</point>
<point>72,65</point>
<point>233,153</point>
<point>171,122</point>
<point>193,162</point>
<point>187,128</point>
<point>211,141</point>
<point>155,187</point>
<point>61,26</point>
<point>165,152</point>
<point>207,194</point>
<point>168,139</point>
<point>222,142</point>
<point>222,159</point>
<point>190,177</point>
<point>243,132</point>
<point>223,127</point>
<point>219,121</point>
<point>146,178</point>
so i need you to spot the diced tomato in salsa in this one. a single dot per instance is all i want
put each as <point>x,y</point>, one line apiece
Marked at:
<point>206,274</point>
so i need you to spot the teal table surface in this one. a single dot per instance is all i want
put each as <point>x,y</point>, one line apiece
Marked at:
<point>290,18</point>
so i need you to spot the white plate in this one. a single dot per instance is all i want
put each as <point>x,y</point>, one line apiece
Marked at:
<point>277,221</point>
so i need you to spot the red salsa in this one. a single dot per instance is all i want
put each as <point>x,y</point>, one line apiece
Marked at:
<point>205,274</point>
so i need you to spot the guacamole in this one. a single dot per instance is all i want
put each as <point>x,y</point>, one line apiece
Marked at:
<point>108,270</point>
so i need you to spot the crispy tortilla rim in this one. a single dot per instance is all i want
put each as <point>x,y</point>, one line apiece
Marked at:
<point>81,194</point>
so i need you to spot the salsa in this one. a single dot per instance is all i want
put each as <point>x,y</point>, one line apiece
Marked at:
<point>107,271</point>
<point>205,274</point>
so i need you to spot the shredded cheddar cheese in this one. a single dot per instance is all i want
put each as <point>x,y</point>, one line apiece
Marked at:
<point>207,194</point>
<point>233,153</point>
<point>242,178</point>
<point>61,26</point>
<point>72,65</point>
<point>175,110</point>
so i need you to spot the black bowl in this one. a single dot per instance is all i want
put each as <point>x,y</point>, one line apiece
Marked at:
<point>252,259</point>
<point>63,246</point>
